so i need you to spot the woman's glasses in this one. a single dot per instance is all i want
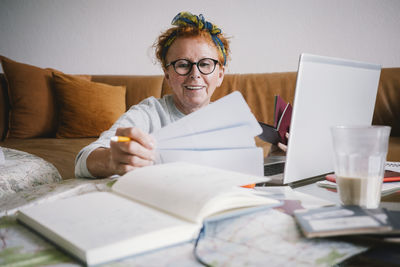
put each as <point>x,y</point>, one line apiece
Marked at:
<point>184,67</point>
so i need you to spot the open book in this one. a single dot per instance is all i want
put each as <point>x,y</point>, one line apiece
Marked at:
<point>148,208</point>
<point>282,115</point>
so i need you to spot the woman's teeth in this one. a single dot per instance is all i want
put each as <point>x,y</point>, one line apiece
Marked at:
<point>194,87</point>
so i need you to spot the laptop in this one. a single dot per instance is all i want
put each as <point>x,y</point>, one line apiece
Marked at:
<point>329,92</point>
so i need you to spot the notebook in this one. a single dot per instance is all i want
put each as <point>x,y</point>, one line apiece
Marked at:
<point>329,92</point>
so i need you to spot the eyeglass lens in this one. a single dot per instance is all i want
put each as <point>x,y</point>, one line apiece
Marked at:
<point>184,66</point>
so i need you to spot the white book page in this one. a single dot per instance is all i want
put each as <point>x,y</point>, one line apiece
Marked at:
<point>182,188</point>
<point>244,160</point>
<point>91,221</point>
<point>231,110</point>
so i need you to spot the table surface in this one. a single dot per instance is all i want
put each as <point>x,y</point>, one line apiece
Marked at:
<point>268,236</point>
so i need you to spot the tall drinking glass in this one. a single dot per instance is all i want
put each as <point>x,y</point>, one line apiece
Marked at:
<point>359,163</point>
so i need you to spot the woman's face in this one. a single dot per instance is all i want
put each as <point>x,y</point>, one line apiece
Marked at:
<point>194,90</point>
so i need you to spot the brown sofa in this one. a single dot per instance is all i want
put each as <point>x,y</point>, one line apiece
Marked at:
<point>257,89</point>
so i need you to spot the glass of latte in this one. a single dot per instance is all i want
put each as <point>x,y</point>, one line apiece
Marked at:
<point>359,163</point>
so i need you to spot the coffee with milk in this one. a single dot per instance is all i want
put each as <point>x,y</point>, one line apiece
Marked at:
<point>359,160</point>
<point>359,191</point>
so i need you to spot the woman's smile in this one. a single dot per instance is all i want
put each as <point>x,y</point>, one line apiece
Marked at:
<point>194,87</point>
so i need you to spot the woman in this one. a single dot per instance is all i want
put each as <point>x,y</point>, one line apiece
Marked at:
<point>193,55</point>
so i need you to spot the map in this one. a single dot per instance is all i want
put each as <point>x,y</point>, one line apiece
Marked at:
<point>271,237</point>
<point>267,236</point>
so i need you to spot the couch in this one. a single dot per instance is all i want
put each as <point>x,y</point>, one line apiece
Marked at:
<point>60,149</point>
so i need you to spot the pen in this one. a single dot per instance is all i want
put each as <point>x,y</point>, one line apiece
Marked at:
<point>249,186</point>
<point>120,138</point>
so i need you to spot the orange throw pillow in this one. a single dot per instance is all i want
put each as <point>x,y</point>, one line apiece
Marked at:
<point>86,108</point>
<point>33,110</point>
<point>32,107</point>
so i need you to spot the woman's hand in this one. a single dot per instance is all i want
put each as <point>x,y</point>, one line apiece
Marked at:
<point>127,156</point>
<point>282,146</point>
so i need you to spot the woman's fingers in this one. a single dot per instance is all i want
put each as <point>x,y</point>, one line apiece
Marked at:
<point>138,152</point>
<point>282,147</point>
<point>137,135</point>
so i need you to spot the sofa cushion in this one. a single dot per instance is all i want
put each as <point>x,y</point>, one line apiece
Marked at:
<point>33,111</point>
<point>86,108</point>
<point>138,87</point>
<point>394,149</point>
<point>60,152</point>
<point>4,107</point>
<point>387,108</point>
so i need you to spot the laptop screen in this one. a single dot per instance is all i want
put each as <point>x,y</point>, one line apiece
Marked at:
<point>329,92</point>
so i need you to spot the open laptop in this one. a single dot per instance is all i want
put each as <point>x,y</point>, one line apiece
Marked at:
<point>329,92</point>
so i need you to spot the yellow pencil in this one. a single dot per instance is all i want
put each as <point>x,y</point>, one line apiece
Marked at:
<point>120,138</point>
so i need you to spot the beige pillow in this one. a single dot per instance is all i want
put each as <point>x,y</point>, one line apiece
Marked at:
<point>86,108</point>
<point>33,111</point>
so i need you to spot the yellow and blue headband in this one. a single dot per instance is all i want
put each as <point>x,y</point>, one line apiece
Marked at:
<point>184,19</point>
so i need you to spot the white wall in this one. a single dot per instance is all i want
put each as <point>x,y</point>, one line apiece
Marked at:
<point>115,37</point>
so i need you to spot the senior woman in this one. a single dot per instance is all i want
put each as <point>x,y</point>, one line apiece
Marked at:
<point>193,55</point>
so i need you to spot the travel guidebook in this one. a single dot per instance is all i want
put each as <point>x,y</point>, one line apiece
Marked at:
<point>347,220</point>
<point>282,117</point>
<point>147,209</point>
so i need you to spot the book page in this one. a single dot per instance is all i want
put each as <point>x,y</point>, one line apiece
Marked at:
<point>184,189</point>
<point>105,225</point>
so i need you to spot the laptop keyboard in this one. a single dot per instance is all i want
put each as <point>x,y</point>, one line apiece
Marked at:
<point>273,169</point>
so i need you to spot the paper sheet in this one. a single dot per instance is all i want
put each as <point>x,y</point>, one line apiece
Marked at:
<point>220,135</point>
<point>229,111</point>
<point>232,137</point>
<point>244,160</point>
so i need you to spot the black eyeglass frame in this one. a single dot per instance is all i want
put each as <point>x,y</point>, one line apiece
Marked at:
<point>191,65</point>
